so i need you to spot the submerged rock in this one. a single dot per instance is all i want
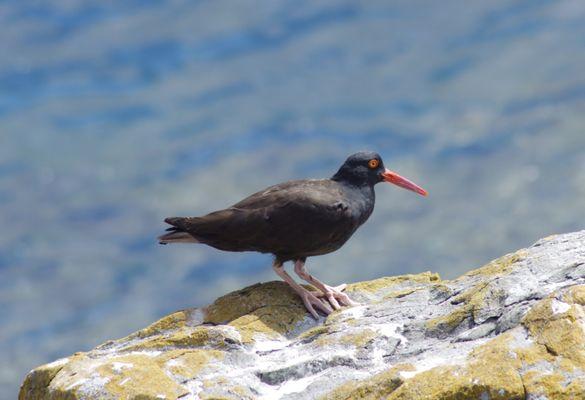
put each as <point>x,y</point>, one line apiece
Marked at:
<point>513,329</point>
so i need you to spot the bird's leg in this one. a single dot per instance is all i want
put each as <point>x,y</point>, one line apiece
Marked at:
<point>333,294</point>
<point>309,299</point>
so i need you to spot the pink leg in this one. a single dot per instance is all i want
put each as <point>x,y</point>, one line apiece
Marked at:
<point>309,299</point>
<point>333,294</point>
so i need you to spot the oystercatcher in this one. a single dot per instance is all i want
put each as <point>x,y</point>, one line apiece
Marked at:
<point>295,220</point>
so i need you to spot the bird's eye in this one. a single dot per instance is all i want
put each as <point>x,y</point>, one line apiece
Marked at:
<point>373,163</point>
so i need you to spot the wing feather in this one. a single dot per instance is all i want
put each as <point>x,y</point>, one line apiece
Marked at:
<point>298,217</point>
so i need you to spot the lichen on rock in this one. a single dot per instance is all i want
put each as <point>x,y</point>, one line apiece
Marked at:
<point>513,329</point>
<point>388,282</point>
<point>271,310</point>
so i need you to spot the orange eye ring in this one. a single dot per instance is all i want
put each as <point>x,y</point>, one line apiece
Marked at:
<point>373,163</point>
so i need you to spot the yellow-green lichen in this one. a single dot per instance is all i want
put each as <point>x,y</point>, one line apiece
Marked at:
<point>127,375</point>
<point>152,334</point>
<point>127,378</point>
<point>228,389</point>
<point>187,337</point>
<point>377,387</point>
<point>359,339</point>
<point>190,363</point>
<point>533,354</point>
<point>499,266</point>
<point>173,321</point>
<point>490,372</point>
<point>559,342</point>
<point>473,295</point>
<point>553,386</point>
<point>495,371</point>
<point>447,323</point>
<point>313,332</point>
<point>441,287</point>
<point>269,309</point>
<point>242,302</point>
<point>137,375</point>
<point>561,332</point>
<point>389,281</point>
<point>400,293</point>
<point>190,337</point>
<point>325,335</point>
<point>576,295</point>
<point>473,301</point>
<point>480,297</point>
<point>36,383</point>
<point>272,322</point>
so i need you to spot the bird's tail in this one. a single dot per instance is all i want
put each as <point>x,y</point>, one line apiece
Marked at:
<point>175,233</point>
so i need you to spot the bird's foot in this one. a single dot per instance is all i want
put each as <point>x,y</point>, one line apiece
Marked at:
<point>311,299</point>
<point>336,297</point>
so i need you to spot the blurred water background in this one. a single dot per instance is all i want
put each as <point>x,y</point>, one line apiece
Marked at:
<point>114,115</point>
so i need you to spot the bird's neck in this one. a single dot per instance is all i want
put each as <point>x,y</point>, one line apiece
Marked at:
<point>357,190</point>
<point>362,199</point>
<point>344,177</point>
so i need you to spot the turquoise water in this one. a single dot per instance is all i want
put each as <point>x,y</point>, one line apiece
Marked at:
<point>114,115</point>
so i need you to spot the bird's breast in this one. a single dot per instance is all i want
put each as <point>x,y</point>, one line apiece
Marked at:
<point>360,203</point>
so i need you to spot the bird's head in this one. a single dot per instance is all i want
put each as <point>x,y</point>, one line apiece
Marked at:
<point>367,168</point>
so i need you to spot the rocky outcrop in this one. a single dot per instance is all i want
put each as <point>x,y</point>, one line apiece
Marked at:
<point>512,329</point>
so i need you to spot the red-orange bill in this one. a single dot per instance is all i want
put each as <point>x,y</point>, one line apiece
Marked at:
<point>393,177</point>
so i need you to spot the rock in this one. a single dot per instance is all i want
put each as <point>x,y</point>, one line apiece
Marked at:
<point>513,329</point>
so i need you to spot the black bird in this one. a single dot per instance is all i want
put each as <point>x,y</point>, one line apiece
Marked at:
<point>295,220</point>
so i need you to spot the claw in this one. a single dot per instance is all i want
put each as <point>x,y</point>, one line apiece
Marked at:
<point>335,296</point>
<point>309,299</point>
<point>331,299</point>
<point>341,287</point>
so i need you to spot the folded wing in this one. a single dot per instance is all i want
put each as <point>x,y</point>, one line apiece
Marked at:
<point>291,219</point>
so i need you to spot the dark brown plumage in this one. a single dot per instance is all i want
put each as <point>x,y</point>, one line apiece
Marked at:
<point>295,220</point>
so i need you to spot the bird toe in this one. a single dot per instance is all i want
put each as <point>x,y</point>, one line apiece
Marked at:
<point>336,297</point>
<point>310,300</point>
